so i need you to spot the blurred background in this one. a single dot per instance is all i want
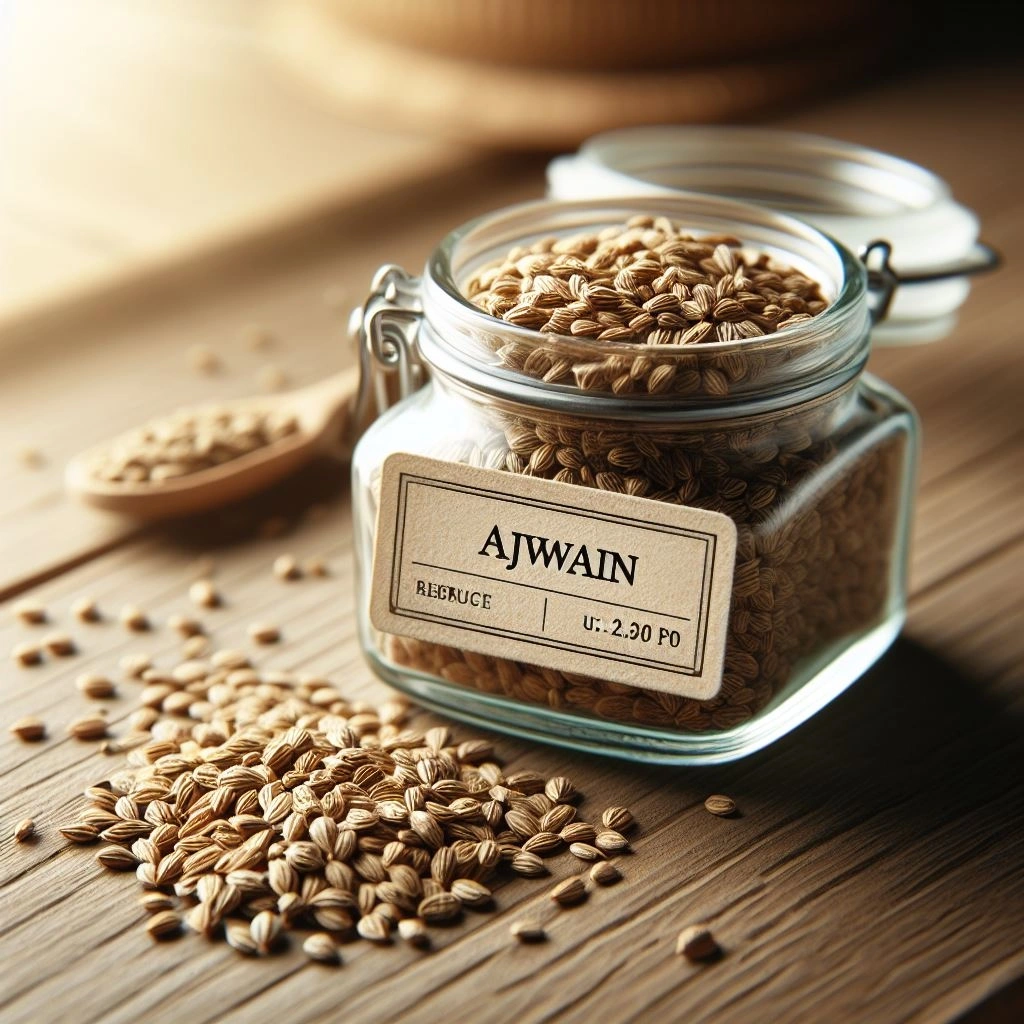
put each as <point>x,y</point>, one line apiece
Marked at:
<point>139,132</point>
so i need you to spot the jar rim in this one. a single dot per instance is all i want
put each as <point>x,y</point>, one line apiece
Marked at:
<point>842,327</point>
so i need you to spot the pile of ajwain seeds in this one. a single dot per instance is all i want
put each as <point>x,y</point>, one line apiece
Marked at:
<point>258,804</point>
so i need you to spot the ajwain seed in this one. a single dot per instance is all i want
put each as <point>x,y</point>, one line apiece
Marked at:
<point>528,931</point>
<point>264,633</point>
<point>285,567</point>
<point>605,873</point>
<point>164,925</point>
<point>204,594</point>
<point>322,948</point>
<point>94,685</point>
<point>27,653</point>
<point>30,611</point>
<point>24,830</point>
<point>85,609</point>
<point>569,891</point>
<point>60,645</point>
<point>134,619</point>
<point>697,943</point>
<point>89,727</point>
<point>29,729</point>
<point>720,806</point>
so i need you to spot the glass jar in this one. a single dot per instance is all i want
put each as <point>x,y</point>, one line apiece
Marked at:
<point>810,458</point>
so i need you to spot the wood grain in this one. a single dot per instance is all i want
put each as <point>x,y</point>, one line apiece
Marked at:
<point>876,870</point>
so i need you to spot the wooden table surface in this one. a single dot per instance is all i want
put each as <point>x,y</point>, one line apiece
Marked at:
<point>876,872</point>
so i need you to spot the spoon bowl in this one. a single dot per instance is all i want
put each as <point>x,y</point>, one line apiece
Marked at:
<point>324,416</point>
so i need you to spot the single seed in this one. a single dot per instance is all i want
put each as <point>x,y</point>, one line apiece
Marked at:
<point>605,873</point>
<point>286,567</point>
<point>30,611</point>
<point>27,653</point>
<point>134,619</point>
<point>80,833</point>
<point>374,928</point>
<point>264,633</point>
<point>195,646</point>
<point>31,457</point>
<point>617,818</point>
<point>610,841</point>
<point>154,902</point>
<point>322,948</point>
<point>265,928</point>
<point>528,931</point>
<point>560,790</point>
<point>24,830</point>
<point>315,567</point>
<point>60,645</point>
<point>697,943</point>
<point>257,337</point>
<point>134,666</point>
<point>720,806</point>
<point>95,686</point>
<point>414,931</point>
<point>85,609</point>
<point>29,729</point>
<point>90,727</point>
<point>164,924</point>
<point>528,865</point>
<point>578,832</point>
<point>204,594</point>
<point>439,907</point>
<point>471,893</point>
<point>185,626</point>
<point>569,891</point>
<point>584,851</point>
<point>116,858</point>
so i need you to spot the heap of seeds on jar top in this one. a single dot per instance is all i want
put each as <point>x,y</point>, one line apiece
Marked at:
<point>618,312</point>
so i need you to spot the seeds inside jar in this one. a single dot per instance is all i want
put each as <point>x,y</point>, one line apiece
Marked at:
<point>642,310</point>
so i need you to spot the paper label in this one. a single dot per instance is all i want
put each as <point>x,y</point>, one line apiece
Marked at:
<point>572,578</point>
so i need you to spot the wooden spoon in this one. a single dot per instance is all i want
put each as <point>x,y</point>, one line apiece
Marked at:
<point>324,412</point>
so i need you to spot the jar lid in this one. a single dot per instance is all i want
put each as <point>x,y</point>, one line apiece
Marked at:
<point>855,194</point>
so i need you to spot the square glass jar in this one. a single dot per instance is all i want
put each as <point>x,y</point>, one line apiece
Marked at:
<point>811,458</point>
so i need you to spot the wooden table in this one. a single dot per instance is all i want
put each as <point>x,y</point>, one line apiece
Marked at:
<point>876,872</point>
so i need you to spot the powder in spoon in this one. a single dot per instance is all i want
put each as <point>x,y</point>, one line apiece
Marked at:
<point>188,441</point>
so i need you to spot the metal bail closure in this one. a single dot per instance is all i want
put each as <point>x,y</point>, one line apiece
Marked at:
<point>385,329</point>
<point>882,279</point>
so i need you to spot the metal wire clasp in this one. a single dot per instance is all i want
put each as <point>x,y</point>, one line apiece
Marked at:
<point>882,278</point>
<point>385,329</point>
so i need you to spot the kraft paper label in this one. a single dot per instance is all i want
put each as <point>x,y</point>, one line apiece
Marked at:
<point>576,579</point>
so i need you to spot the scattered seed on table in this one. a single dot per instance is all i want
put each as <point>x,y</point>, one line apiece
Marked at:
<point>240,938</point>
<point>618,818</point>
<point>185,626</point>
<point>202,359</point>
<point>529,865</point>
<point>439,907</point>
<point>315,567</point>
<point>116,858</point>
<point>610,841</point>
<point>374,928</point>
<point>569,891</point>
<point>154,902</point>
<point>24,830</point>
<point>697,943</point>
<point>528,931</point>
<point>322,948</point>
<point>30,729</point>
<point>134,666</point>
<point>26,654</point>
<point>134,619</point>
<point>164,925</point>
<point>196,646</point>
<point>720,806</point>
<point>605,873</point>
<point>204,594</point>
<point>90,727</point>
<point>286,567</point>
<point>560,790</point>
<point>265,928</point>
<point>272,378</point>
<point>80,832</point>
<point>60,645</point>
<point>95,686</point>
<point>471,893</point>
<point>85,609</point>
<point>578,832</point>
<point>584,851</point>
<point>30,611</point>
<point>414,931</point>
<point>264,633</point>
